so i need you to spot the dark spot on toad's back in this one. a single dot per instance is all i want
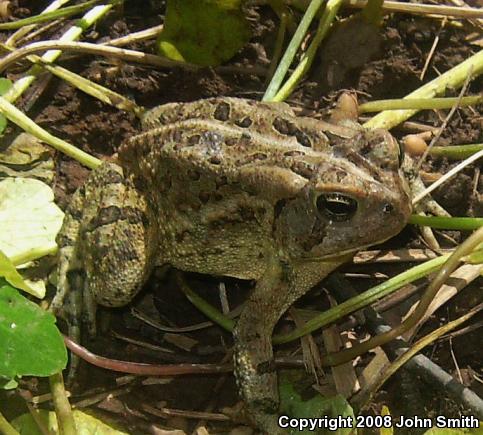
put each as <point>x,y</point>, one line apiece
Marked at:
<point>279,205</point>
<point>222,112</point>
<point>177,136</point>
<point>302,168</point>
<point>106,216</point>
<point>302,138</point>
<point>204,197</point>
<point>194,139</point>
<point>244,123</point>
<point>281,125</point>
<point>74,212</point>
<point>134,216</point>
<point>221,181</point>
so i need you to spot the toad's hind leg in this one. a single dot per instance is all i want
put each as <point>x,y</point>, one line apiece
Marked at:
<point>106,247</point>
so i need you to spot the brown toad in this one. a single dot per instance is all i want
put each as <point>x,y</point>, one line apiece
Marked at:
<point>231,187</point>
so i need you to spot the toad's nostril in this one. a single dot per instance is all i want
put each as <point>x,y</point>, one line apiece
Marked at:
<point>388,208</point>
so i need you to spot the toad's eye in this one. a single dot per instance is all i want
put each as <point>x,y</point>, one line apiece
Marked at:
<point>335,206</point>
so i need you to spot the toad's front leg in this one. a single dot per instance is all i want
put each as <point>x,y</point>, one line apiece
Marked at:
<point>254,363</point>
<point>281,285</point>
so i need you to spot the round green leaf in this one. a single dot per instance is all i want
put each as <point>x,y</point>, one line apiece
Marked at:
<point>295,403</point>
<point>29,218</point>
<point>31,344</point>
<point>203,32</point>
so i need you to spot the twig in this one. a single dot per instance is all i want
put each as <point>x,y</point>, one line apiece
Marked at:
<point>421,9</point>
<point>56,4</point>
<point>89,18</point>
<point>17,117</point>
<point>447,176</point>
<point>445,123</point>
<point>169,412</point>
<point>432,50</point>
<point>142,368</point>
<point>476,404</point>
<point>142,35</point>
<point>46,16</point>
<point>455,361</point>
<point>87,47</point>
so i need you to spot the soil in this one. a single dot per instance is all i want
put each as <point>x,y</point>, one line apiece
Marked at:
<point>387,64</point>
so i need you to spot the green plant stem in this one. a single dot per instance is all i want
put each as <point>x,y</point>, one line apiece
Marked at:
<point>444,273</point>
<point>90,48</point>
<point>448,223</point>
<point>368,297</point>
<point>65,419</point>
<point>410,8</point>
<point>292,48</point>
<point>456,152</point>
<point>454,78</point>
<point>17,117</point>
<point>305,63</point>
<point>71,34</point>
<point>418,103</point>
<point>416,348</point>
<point>277,52</point>
<point>209,310</point>
<point>90,88</point>
<point>47,16</point>
<point>11,40</point>
<point>6,428</point>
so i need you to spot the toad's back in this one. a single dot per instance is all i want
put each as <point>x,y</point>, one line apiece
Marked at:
<point>219,173</point>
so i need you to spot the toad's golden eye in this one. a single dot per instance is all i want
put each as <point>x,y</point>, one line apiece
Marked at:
<point>336,206</point>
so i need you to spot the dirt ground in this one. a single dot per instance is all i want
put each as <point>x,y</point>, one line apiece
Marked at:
<point>386,65</point>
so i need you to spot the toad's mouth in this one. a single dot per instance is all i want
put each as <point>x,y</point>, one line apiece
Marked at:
<point>342,256</point>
